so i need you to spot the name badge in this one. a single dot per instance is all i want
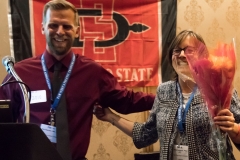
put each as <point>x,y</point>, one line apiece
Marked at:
<point>38,96</point>
<point>180,152</point>
<point>50,132</point>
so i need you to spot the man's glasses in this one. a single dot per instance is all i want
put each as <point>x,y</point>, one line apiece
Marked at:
<point>187,50</point>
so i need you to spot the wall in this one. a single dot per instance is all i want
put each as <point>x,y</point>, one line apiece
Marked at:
<point>215,20</point>
<point>4,45</point>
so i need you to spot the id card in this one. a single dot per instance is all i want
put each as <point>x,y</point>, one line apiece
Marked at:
<point>38,96</point>
<point>180,152</point>
<point>50,132</point>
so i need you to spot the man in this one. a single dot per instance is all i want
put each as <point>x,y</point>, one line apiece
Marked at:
<point>87,83</point>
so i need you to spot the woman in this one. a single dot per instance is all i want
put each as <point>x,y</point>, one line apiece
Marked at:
<point>181,137</point>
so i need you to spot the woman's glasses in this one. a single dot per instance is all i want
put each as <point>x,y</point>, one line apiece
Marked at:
<point>187,50</point>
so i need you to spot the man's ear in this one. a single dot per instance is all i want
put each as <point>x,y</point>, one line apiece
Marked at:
<point>77,32</point>
<point>42,28</point>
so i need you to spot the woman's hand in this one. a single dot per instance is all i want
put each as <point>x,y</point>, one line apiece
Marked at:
<point>226,122</point>
<point>103,114</point>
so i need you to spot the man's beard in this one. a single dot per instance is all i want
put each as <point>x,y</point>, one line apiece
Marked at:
<point>59,50</point>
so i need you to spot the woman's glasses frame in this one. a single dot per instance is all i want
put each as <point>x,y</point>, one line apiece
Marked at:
<point>187,50</point>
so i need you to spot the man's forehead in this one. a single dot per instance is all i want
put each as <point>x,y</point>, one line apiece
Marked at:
<point>64,16</point>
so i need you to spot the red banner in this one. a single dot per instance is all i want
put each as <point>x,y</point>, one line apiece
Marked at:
<point>122,35</point>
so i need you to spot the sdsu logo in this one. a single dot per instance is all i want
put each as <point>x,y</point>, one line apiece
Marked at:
<point>97,39</point>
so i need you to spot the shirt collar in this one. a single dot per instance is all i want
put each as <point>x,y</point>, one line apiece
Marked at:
<point>51,60</point>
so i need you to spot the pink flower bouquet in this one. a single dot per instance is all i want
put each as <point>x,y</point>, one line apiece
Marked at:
<point>213,71</point>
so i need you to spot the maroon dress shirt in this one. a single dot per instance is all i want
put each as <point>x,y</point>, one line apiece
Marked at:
<point>89,83</point>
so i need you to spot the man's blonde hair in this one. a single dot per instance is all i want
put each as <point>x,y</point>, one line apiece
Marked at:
<point>60,5</point>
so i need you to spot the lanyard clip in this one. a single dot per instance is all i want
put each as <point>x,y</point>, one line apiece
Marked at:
<point>52,111</point>
<point>52,116</point>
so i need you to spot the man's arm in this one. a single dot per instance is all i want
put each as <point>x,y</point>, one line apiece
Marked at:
<point>121,99</point>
